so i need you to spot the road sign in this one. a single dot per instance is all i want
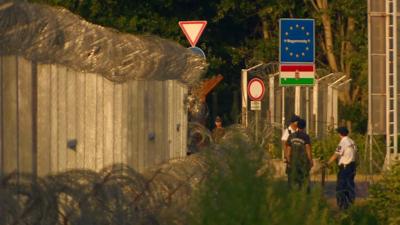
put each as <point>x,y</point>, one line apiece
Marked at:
<point>297,52</point>
<point>256,89</point>
<point>297,41</point>
<point>255,105</point>
<point>193,30</point>
<point>297,74</point>
<point>198,51</point>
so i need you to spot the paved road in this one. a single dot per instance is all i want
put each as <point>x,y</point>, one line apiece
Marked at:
<point>362,187</point>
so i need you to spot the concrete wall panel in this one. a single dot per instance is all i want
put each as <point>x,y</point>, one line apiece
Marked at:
<point>149,120</point>
<point>164,122</point>
<point>43,119</point>
<point>184,119</point>
<point>133,125</point>
<point>10,119</point>
<point>141,123</point>
<point>80,118</point>
<point>159,122</point>
<point>124,123</point>
<point>62,117</point>
<point>117,116</point>
<point>71,114</point>
<point>99,122</point>
<point>90,121</point>
<point>53,119</point>
<point>1,116</point>
<point>171,116</point>
<point>108,123</point>
<point>179,148</point>
<point>25,115</point>
<point>141,129</point>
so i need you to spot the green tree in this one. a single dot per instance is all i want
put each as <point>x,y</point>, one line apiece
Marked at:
<point>242,33</point>
<point>343,41</point>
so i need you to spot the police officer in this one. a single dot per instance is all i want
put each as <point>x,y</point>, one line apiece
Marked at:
<point>346,156</point>
<point>299,157</point>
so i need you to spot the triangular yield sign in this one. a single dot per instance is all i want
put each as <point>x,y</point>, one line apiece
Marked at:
<point>193,30</point>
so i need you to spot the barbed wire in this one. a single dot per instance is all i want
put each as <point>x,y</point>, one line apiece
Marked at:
<point>115,195</point>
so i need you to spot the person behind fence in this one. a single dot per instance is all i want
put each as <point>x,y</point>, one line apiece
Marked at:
<point>299,158</point>
<point>218,132</point>
<point>290,129</point>
<point>346,157</point>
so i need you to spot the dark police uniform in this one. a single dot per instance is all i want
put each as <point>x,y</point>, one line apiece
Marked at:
<point>299,165</point>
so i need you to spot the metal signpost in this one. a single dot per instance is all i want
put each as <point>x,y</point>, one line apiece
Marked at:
<point>244,84</point>
<point>296,57</point>
<point>256,90</point>
<point>297,52</point>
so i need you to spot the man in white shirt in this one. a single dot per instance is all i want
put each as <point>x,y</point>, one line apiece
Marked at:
<point>289,130</point>
<point>346,156</point>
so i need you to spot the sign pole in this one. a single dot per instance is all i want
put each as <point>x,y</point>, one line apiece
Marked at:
<point>272,99</point>
<point>256,90</point>
<point>315,107</point>
<point>244,97</point>
<point>297,100</point>
<point>283,116</point>
<point>308,109</point>
<point>256,126</point>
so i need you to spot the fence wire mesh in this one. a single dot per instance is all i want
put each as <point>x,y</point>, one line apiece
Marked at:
<point>317,104</point>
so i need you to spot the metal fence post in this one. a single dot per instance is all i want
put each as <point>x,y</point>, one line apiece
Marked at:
<point>315,106</point>
<point>244,97</point>
<point>297,100</point>
<point>308,109</point>
<point>272,98</point>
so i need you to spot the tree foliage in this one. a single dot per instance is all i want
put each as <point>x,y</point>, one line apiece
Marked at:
<point>242,33</point>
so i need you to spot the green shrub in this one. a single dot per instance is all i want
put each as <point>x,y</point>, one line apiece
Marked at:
<point>324,147</point>
<point>385,197</point>
<point>231,186</point>
<point>235,193</point>
<point>359,215</point>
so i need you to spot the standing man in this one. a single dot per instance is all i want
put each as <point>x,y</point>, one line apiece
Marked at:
<point>346,155</point>
<point>289,130</point>
<point>299,157</point>
<point>218,132</point>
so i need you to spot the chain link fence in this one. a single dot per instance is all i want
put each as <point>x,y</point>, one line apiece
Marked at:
<point>318,104</point>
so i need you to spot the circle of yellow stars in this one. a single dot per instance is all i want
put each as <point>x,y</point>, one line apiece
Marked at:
<point>308,41</point>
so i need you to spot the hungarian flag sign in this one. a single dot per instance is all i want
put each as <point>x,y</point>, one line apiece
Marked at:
<point>297,74</point>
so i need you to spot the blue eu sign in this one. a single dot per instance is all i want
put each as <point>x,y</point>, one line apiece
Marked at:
<point>297,40</point>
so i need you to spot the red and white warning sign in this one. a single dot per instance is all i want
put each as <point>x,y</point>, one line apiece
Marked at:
<point>193,30</point>
<point>256,89</point>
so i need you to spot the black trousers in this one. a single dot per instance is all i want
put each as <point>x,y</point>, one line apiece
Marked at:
<point>345,187</point>
<point>298,176</point>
